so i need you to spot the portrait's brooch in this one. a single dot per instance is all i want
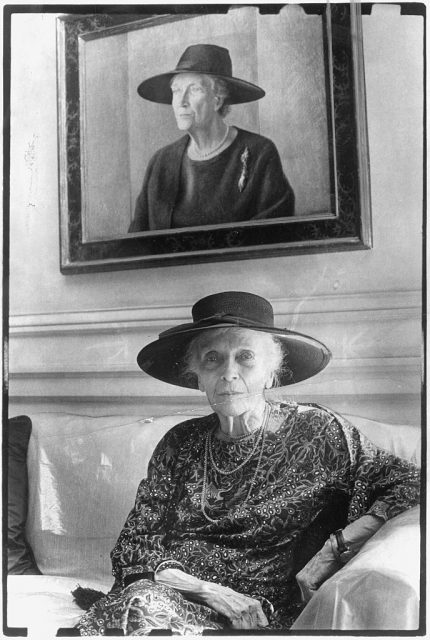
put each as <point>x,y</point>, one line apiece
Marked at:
<point>244,158</point>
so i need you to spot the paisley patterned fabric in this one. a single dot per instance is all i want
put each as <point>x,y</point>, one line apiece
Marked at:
<point>317,473</point>
<point>145,606</point>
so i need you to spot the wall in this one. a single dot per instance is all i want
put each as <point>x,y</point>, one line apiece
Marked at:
<point>73,339</point>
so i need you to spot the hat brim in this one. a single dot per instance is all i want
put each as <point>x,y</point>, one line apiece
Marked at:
<point>157,89</point>
<point>164,358</point>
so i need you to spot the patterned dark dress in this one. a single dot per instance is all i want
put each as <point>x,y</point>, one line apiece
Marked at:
<point>315,473</point>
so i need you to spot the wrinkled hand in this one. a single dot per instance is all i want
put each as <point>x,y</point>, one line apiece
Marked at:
<point>242,611</point>
<point>319,568</point>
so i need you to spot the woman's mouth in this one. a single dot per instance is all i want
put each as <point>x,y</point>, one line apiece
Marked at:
<point>230,393</point>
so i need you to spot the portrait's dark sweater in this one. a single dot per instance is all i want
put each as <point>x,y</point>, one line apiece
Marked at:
<point>244,182</point>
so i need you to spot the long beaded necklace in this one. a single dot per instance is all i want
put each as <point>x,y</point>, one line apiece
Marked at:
<point>247,459</point>
<point>208,454</point>
<point>202,156</point>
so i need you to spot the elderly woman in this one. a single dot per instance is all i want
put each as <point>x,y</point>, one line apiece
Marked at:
<point>247,511</point>
<point>215,173</point>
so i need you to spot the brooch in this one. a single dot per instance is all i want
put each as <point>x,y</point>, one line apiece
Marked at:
<point>244,158</point>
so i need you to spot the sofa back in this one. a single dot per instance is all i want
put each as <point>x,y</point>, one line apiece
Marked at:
<point>83,476</point>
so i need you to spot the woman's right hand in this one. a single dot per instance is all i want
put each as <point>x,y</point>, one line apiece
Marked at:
<point>242,611</point>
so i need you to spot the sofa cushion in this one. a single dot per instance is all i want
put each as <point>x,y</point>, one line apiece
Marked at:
<point>43,604</point>
<point>84,476</point>
<point>402,440</point>
<point>379,589</point>
<point>20,558</point>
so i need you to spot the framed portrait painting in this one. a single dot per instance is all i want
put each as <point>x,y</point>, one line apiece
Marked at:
<point>292,177</point>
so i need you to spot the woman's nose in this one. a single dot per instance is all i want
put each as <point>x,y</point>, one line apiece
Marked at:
<point>230,372</point>
<point>183,98</point>
<point>180,98</point>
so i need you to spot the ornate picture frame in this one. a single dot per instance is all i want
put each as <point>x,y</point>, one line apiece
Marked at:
<point>343,225</point>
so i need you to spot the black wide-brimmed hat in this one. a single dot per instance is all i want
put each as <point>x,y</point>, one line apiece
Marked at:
<point>201,58</point>
<point>164,359</point>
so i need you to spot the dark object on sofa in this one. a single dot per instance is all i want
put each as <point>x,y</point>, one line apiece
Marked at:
<point>20,559</point>
<point>86,597</point>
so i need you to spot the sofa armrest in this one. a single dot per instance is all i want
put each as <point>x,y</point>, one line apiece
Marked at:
<point>378,589</point>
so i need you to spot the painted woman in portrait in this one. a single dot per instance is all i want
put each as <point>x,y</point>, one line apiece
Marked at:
<point>215,173</point>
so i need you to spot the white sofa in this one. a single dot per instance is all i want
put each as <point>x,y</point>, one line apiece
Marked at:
<point>83,473</point>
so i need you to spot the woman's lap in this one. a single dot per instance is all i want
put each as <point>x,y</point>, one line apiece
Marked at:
<point>145,605</point>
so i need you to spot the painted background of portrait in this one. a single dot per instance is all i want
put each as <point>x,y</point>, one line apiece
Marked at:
<point>120,131</point>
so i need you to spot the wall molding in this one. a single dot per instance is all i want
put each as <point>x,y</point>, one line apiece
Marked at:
<point>88,358</point>
<point>338,367</point>
<point>396,376</point>
<point>388,304</point>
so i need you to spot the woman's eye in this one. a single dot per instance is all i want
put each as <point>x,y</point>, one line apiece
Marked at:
<point>212,356</point>
<point>246,355</point>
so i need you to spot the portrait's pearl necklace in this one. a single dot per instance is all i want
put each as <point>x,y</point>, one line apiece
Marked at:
<point>261,436</point>
<point>201,155</point>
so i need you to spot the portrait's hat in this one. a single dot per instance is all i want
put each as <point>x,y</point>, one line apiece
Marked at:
<point>201,58</point>
<point>164,358</point>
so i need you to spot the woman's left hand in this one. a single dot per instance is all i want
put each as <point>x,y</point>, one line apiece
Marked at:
<point>319,568</point>
<point>324,564</point>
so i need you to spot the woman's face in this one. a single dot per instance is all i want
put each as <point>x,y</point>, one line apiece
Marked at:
<point>233,369</point>
<point>194,103</point>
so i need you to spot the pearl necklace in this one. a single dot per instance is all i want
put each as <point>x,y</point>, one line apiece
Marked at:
<point>239,439</point>
<point>243,463</point>
<point>202,156</point>
<point>208,454</point>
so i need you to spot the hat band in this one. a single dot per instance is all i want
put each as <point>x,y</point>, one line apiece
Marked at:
<point>223,318</point>
<point>226,317</point>
<point>199,67</point>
